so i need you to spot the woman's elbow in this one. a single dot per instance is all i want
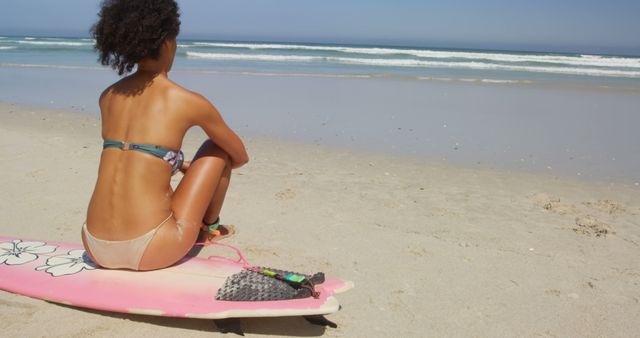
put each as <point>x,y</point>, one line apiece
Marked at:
<point>244,160</point>
<point>239,162</point>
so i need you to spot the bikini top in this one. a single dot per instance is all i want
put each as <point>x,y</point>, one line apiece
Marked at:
<point>173,157</point>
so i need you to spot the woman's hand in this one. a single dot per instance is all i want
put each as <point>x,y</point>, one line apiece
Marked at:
<point>185,167</point>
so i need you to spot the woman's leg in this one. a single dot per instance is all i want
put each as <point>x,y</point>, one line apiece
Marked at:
<point>213,211</point>
<point>200,193</point>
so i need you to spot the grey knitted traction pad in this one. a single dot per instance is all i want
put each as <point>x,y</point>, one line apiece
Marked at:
<point>252,286</point>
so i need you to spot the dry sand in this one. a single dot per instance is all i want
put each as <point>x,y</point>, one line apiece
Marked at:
<point>434,250</point>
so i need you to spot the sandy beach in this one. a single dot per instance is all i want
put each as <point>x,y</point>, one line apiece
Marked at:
<point>433,249</point>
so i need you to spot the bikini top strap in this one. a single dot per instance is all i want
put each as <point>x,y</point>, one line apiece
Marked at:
<point>152,149</point>
<point>173,157</point>
<point>112,144</point>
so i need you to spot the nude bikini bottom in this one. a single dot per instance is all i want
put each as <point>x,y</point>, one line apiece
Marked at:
<point>120,254</point>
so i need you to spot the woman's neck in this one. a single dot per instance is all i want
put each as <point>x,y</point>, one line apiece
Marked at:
<point>153,71</point>
<point>152,67</point>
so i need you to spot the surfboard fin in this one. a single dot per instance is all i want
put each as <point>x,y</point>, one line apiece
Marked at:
<point>229,325</point>
<point>320,320</point>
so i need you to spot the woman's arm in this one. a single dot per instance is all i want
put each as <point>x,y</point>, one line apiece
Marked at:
<point>209,119</point>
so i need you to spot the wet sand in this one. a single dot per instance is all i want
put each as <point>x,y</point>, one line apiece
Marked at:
<point>585,132</point>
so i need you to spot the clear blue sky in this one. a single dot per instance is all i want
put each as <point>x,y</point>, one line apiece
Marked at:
<point>605,26</point>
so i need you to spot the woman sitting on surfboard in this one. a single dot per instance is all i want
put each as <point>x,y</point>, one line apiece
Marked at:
<point>134,219</point>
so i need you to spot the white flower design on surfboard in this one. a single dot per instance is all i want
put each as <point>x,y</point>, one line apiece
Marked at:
<point>72,262</point>
<point>18,252</point>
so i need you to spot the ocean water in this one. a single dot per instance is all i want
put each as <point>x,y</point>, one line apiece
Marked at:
<point>347,61</point>
<point>559,114</point>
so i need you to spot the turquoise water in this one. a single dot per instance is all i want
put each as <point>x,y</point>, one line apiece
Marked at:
<point>347,60</point>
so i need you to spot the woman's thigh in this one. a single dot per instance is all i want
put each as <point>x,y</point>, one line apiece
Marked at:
<point>189,203</point>
<point>169,244</point>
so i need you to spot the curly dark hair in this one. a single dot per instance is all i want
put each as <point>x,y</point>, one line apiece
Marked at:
<point>128,31</point>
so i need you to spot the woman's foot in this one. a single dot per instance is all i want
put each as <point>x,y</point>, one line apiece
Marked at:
<point>216,231</point>
<point>223,231</point>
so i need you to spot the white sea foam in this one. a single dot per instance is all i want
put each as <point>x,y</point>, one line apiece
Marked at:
<point>593,65</point>
<point>55,43</point>
<point>448,79</point>
<point>31,65</point>
<point>285,74</point>
<point>487,66</point>
<point>582,60</point>
<point>254,57</point>
<point>265,46</point>
<point>532,58</point>
<point>502,81</point>
<point>418,63</point>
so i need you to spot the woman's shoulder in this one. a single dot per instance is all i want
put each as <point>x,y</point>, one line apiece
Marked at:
<point>191,100</point>
<point>175,91</point>
<point>192,105</point>
<point>189,105</point>
<point>166,88</point>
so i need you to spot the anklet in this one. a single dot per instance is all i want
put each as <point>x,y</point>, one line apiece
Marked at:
<point>211,227</point>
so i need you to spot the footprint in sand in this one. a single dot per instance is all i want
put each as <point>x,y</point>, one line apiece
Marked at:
<point>606,206</point>
<point>553,292</point>
<point>591,226</point>
<point>285,194</point>
<point>552,204</point>
<point>391,204</point>
<point>37,175</point>
<point>585,224</point>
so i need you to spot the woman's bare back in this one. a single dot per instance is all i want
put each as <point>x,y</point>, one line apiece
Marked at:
<point>134,219</point>
<point>132,193</point>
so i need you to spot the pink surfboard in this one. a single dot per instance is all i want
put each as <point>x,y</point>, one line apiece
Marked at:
<point>63,273</point>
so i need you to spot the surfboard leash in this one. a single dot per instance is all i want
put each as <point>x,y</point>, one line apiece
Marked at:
<point>290,278</point>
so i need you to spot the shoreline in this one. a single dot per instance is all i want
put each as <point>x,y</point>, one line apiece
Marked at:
<point>360,150</point>
<point>539,84</point>
<point>428,245</point>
